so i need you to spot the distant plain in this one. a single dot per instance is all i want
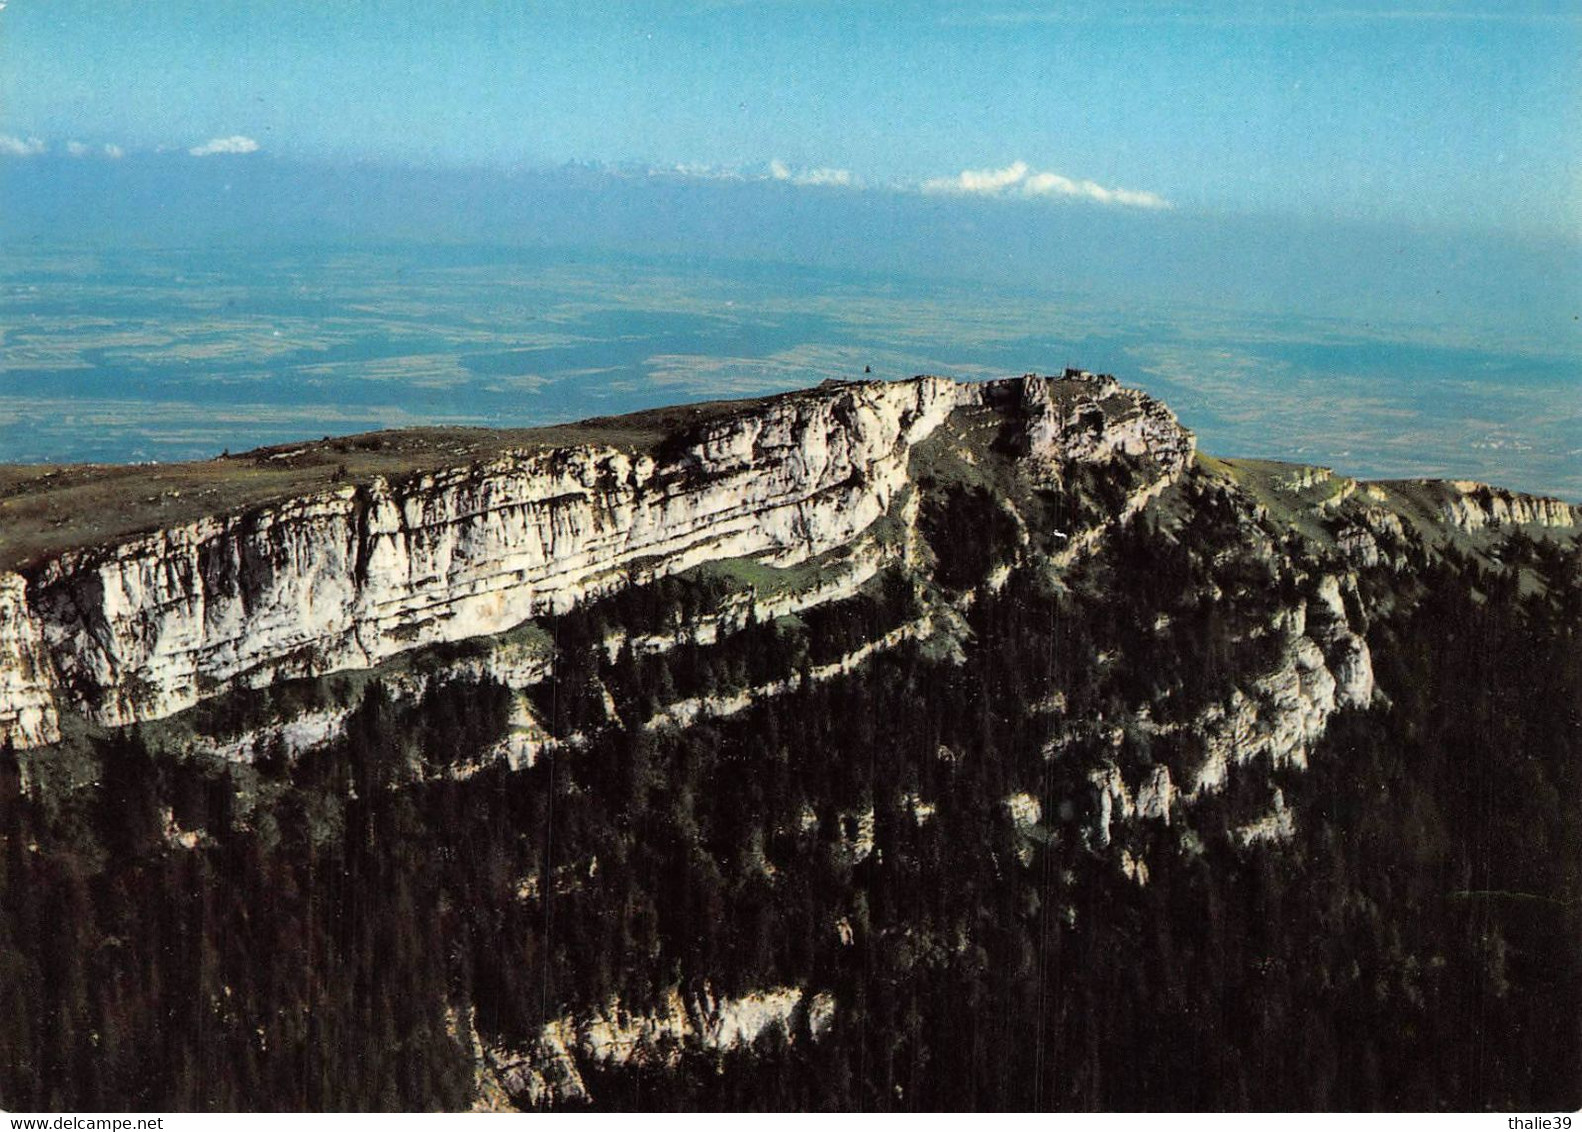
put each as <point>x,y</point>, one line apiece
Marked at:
<point>169,355</point>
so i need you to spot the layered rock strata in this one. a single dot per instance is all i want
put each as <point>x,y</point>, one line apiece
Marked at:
<point>1472,506</point>
<point>345,578</point>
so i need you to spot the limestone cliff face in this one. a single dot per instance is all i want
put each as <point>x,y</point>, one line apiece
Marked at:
<point>1091,419</point>
<point>27,705</point>
<point>549,1070</point>
<point>1473,506</point>
<point>348,577</point>
<point>1322,666</point>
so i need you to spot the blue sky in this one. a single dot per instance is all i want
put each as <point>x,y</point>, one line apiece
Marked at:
<point>1439,114</point>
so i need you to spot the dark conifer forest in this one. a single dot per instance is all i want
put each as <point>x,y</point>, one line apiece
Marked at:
<point>353,927</point>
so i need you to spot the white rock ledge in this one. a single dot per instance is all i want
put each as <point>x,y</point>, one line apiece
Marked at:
<point>348,577</point>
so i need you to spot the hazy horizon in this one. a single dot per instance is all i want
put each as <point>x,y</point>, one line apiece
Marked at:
<point>1341,234</point>
<point>179,354</point>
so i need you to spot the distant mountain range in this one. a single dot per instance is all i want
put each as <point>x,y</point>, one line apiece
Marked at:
<point>1263,263</point>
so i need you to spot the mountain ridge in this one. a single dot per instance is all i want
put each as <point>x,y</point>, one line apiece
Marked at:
<point>87,628</point>
<point>494,541</point>
<point>753,759</point>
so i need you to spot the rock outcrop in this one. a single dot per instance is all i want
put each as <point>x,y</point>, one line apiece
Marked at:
<point>548,1071</point>
<point>147,625</point>
<point>1090,419</point>
<point>346,578</point>
<point>1473,506</point>
<point>27,701</point>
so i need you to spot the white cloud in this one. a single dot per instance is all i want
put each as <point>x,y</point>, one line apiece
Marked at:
<point>987,182</point>
<point>234,144</point>
<point>1053,184</point>
<point>825,175</point>
<point>699,171</point>
<point>778,171</point>
<point>20,147</point>
<point>1017,180</point>
<point>83,149</point>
